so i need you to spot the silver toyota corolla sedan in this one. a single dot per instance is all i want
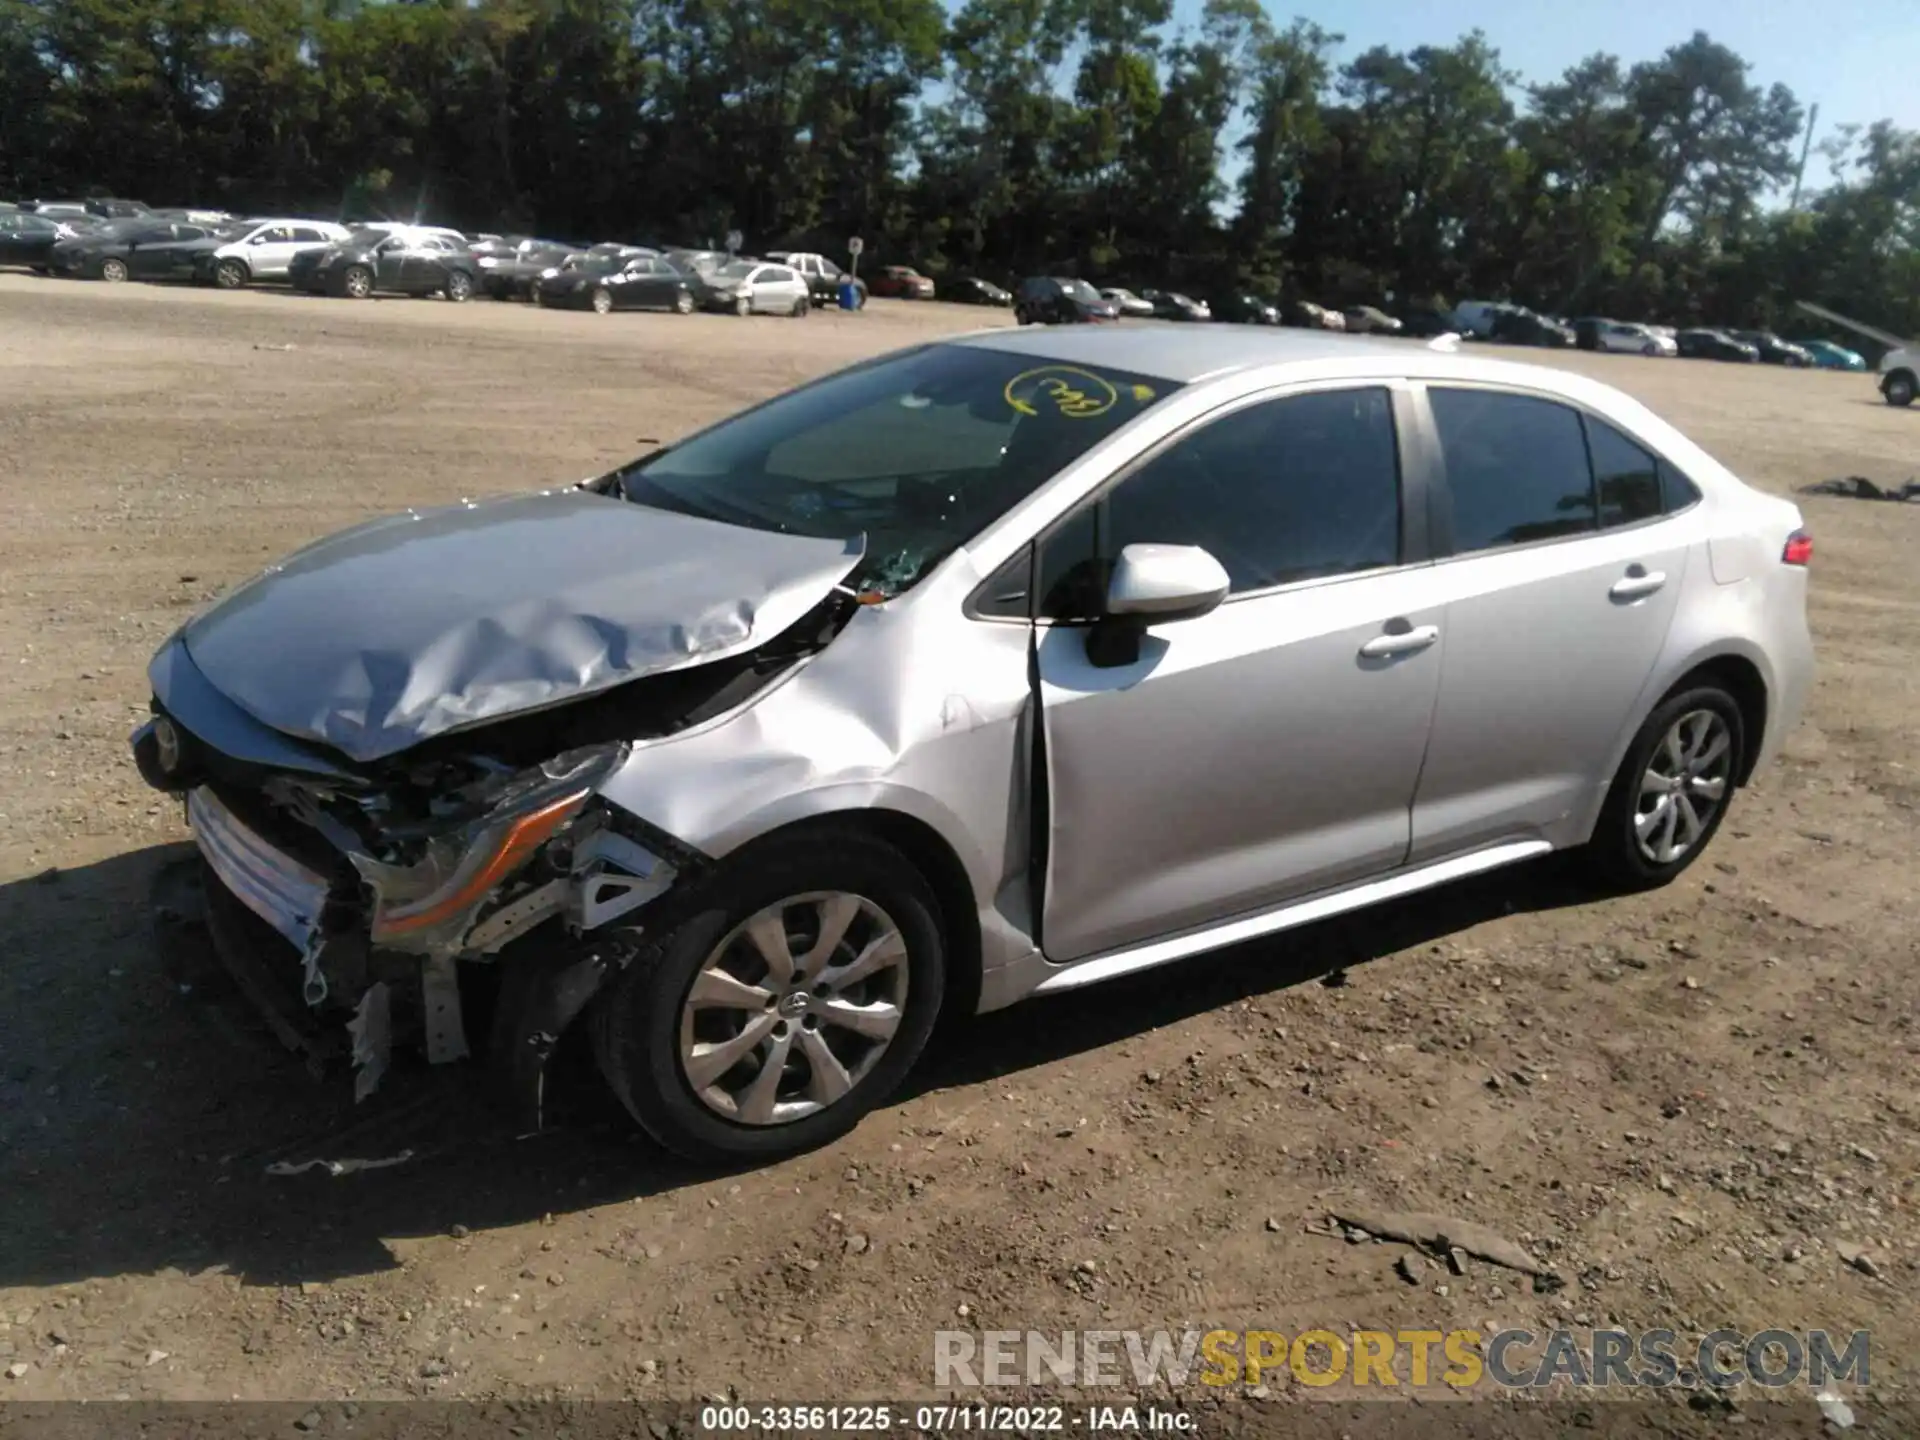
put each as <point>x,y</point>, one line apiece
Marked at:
<point>988,669</point>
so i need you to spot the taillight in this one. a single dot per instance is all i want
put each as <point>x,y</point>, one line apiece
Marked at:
<point>1799,549</point>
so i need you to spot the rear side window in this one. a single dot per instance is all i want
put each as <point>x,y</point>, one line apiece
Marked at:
<point>1626,476</point>
<point>1676,491</point>
<point>1516,466</point>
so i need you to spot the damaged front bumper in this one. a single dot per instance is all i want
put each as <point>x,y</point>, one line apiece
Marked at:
<point>350,951</point>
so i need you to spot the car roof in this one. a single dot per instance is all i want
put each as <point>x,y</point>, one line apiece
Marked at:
<point>1185,354</point>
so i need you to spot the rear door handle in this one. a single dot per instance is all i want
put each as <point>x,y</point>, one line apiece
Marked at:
<point>1404,643</point>
<point>1635,586</point>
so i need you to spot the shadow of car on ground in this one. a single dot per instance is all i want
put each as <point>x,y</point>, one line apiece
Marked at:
<point>140,1107</point>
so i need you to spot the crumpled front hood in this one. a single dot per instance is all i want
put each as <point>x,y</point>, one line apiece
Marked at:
<point>414,625</point>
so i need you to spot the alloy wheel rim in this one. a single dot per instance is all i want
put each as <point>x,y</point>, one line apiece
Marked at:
<point>794,1008</point>
<point>602,301</point>
<point>357,284</point>
<point>1684,786</point>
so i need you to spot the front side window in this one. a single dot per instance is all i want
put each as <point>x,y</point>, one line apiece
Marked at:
<point>1516,468</point>
<point>1287,490</point>
<point>919,452</point>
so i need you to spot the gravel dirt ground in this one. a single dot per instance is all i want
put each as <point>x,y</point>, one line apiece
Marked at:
<point>1697,1105</point>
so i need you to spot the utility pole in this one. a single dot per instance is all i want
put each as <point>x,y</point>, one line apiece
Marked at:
<point>1806,145</point>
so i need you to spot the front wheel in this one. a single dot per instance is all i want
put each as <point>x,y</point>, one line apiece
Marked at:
<point>683,303</point>
<point>743,306</point>
<point>459,286</point>
<point>800,307</point>
<point>357,283</point>
<point>602,300</point>
<point>1899,390</point>
<point>113,271</point>
<point>1672,789</point>
<point>790,1001</point>
<point>230,274</point>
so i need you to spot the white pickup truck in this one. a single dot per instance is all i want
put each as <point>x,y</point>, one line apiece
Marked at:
<point>1900,376</point>
<point>1899,367</point>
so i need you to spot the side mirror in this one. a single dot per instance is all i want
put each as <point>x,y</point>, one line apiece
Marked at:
<point>1153,585</point>
<point>1160,583</point>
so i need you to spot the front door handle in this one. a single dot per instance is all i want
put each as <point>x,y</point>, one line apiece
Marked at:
<point>1638,583</point>
<point>1404,643</point>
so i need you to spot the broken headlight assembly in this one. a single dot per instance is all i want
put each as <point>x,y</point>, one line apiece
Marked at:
<point>429,902</point>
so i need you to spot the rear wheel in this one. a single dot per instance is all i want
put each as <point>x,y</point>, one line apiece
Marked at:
<point>1899,389</point>
<point>602,301</point>
<point>683,303</point>
<point>231,274</point>
<point>113,270</point>
<point>790,1002</point>
<point>459,286</point>
<point>1672,789</point>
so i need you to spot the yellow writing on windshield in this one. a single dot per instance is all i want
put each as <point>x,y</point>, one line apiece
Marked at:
<point>1077,394</point>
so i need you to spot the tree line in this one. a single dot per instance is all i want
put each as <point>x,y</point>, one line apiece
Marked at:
<point>998,138</point>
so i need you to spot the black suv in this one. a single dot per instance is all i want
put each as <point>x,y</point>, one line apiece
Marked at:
<point>1058,300</point>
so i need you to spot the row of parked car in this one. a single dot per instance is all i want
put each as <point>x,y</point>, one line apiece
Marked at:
<point>1498,320</point>
<point>115,240</point>
<point>1052,300</point>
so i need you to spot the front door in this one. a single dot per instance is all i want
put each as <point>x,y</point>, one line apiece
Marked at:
<point>395,264</point>
<point>1270,748</point>
<point>270,252</point>
<point>1569,557</point>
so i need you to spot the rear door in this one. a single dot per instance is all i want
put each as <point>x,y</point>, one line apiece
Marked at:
<point>1268,749</point>
<point>1560,567</point>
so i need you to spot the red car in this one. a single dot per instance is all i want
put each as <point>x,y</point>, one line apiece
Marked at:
<point>903,282</point>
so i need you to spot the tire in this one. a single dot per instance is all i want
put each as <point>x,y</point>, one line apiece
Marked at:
<point>641,1024</point>
<point>1899,389</point>
<point>743,307</point>
<point>1619,853</point>
<point>683,303</point>
<point>459,287</point>
<point>601,300</point>
<point>113,270</point>
<point>231,274</point>
<point>800,308</point>
<point>1650,350</point>
<point>356,282</point>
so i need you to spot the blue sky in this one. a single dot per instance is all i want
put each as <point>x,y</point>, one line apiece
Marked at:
<point>1858,59</point>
